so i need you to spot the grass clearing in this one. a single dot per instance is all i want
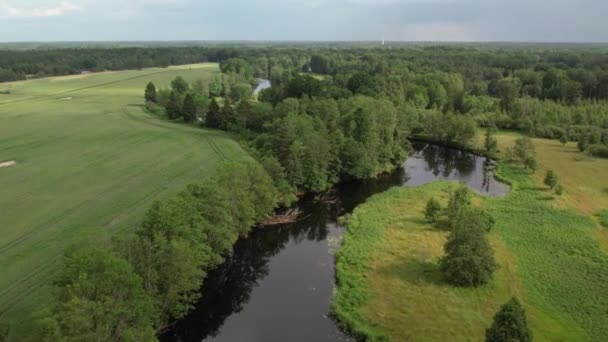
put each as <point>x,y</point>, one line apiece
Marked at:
<point>389,284</point>
<point>584,178</point>
<point>87,169</point>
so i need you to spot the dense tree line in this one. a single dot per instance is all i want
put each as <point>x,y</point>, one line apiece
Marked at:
<point>140,284</point>
<point>548,91</point>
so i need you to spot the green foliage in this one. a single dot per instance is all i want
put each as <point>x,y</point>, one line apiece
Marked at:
<point>214,115</point>
<point>563,140</point>
<point>227,114</point>
<point>241,92</point>
<point>603,215</point>
<point>490,143</point>
<point>98,298</point>
<point>597,150</point>
<point>450,128</point>
<point>238,66</point>
<point>551,179</point>
<point>459,200</point>
<point>183,237</point>
<point>189,108</point>
<point>469,258</point>
<point>524,149</point>
<point>508,91</point>
<point>582,143</point>
<point>510,324</point>
<point>174,106</point>
<point>150,93</point>
<point>180,85</point>
<point>432,210</point>
<point>531,164</point>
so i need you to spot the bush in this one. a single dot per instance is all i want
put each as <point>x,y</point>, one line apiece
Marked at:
<point>603,214</point>
<point>459,199</point>
<point>510,324</point>
<point>432,210</point>
<point>551,179</point>
<point>156,110</point>
<point>597,150</point>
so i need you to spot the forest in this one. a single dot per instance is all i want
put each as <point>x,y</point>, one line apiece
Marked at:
<point>362,105</point>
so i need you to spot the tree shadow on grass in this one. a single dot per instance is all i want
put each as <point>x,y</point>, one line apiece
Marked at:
<point>546,198</point>
<point>414,271</point>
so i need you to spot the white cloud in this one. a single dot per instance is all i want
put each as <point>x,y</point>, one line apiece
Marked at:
<point>64,7</point>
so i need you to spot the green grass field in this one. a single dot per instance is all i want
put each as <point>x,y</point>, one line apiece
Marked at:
<point>89,164</point>
<point>548,248</point>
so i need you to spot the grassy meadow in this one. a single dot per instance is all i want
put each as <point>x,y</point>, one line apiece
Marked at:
<point>89,163</point>
<point>550,251</point>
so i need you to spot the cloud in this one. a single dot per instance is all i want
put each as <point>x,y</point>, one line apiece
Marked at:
<point>64,7</point>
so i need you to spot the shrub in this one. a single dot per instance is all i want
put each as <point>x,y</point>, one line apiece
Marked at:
<point>598,150</point>
<point>459,199</point>
<point>156,110</point>
<point>559,190</point>
<point>551,179</point>
<point>603,214</point>
<point>510,324</point>
<point>531,164</point>
<point>432,210</point>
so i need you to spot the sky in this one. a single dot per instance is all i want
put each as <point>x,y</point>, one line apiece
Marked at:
<point>326,20</point>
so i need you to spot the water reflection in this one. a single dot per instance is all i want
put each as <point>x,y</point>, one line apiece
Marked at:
<point>432,162</point>
<point>277,284</point>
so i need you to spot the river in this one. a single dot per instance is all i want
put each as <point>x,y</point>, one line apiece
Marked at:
<point>262,84</point>
<point>277,284</point>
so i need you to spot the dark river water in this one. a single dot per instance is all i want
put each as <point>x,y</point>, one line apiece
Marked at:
<point>277,284</point>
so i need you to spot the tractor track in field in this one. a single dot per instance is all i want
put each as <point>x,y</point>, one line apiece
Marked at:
<point>210,141</point>
<point>25,285</point>
<point>39,229</point>
<point>215,148</point>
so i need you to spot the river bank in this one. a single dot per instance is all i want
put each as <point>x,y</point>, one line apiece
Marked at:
<point>390,288</point>
<point>276,270</point>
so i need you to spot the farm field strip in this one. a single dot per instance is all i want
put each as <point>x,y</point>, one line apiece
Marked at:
<point>87,169</point>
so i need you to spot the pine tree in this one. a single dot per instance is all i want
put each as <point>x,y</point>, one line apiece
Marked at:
<point>459,199</point>
<point>213,119</point>
<point>173,107</point>
<point>510,324</point>
<point>228,117</point>
<point>189,109</point>
<point>551,179</point>
<point>150,94</point>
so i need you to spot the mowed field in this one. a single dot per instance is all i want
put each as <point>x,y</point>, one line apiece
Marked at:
<point>551,251</point>
<point>89,163</point>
